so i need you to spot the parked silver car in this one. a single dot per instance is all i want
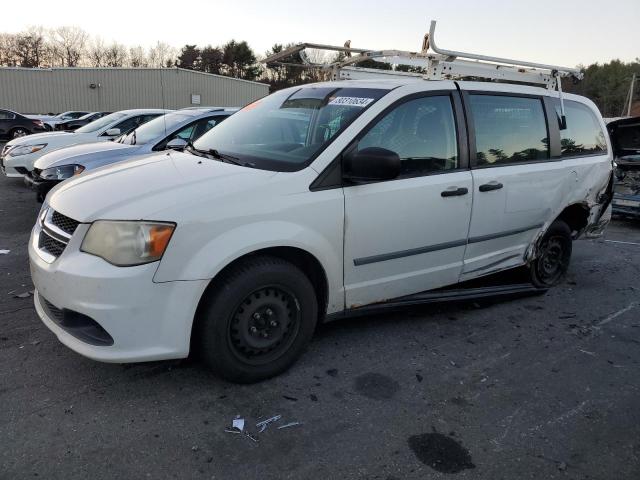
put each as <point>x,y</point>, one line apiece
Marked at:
<point>173,130</point>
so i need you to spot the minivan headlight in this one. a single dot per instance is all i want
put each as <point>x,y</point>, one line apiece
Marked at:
<point>25,149</point>
<point>62,172</point>
<point>126,244</point>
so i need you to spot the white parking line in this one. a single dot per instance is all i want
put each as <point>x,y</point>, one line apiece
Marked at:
<point>616,314</point>
<point>620,241</point>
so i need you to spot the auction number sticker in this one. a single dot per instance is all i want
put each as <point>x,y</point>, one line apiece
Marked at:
<point>351,101</point>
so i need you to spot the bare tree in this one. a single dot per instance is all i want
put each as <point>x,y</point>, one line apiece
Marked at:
<point>116,55</point>
<point>30,48</point>
<point>69,45</point>
<point>7,50</point>
<point>96,53</point>
<point>162,55</point>
<point>137,57</point>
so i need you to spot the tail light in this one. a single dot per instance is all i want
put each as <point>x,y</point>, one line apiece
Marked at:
<point>38,123</point>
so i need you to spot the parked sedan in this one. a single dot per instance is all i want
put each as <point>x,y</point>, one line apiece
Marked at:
<point>18,156</point>
<point>174,130</point>
<point>50,121</point>
<point>15,125</point>
<point>74,124</point>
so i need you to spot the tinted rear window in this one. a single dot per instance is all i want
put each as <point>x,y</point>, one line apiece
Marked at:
<point>509,129</point>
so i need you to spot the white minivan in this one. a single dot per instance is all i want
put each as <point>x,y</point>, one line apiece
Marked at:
<point>313,203</point>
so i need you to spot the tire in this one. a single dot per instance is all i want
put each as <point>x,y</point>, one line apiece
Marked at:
<point>19,132</point>
<point>554,255</point>
<point>256,320</point>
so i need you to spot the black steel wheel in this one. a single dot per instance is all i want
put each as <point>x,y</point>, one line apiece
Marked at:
<point>264,324</point>
<point>553,256</point>
<point>255,319</point>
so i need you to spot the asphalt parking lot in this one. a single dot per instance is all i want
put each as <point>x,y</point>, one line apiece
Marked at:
<point>533,387</point>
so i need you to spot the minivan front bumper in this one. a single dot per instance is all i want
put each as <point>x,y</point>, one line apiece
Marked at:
<point>114,314</point>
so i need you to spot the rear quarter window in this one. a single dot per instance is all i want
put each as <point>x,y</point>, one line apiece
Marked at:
<point>583,135</point>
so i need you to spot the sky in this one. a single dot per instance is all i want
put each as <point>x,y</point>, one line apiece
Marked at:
<point>563,32</point>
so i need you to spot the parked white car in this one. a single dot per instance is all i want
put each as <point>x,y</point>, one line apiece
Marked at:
<point>173,130</point>
<point>18,155</point>
<point>52,120</point>
<point>313,203</point>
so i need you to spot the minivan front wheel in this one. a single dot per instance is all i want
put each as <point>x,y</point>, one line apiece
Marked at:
<point>256,319</point>
<point>553,256</point>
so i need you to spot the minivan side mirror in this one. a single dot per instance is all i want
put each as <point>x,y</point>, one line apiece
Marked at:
<point>371,164</point>
<point>177,144</point>
<point>112,132</point>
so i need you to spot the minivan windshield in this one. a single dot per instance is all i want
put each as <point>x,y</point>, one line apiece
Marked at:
<point>288,129</point>
<point>100,123</point>
<point>151,130</point>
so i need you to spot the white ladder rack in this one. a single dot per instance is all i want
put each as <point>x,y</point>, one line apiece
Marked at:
<point>437,65</point>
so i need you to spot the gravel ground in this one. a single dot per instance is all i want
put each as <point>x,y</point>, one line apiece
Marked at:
<point>528,388</point>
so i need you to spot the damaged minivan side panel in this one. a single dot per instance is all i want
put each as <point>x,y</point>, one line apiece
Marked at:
<point>528,172</point>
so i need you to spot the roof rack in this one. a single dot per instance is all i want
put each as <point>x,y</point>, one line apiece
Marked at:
<point>440,64</point>
<point>437,65</point>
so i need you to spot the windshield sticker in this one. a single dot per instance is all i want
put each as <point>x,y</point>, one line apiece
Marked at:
<point>351,101</point>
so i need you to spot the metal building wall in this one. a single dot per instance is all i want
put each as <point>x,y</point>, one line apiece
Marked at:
<point>59,89</point>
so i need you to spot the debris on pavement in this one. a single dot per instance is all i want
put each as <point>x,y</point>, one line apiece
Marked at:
<point>239,426</point>
<point>265,423</point>
<point>4,252</point>
<point>22,295</point>
<point>587,352</point>
<point>238,423</point>
<point>292,424</point>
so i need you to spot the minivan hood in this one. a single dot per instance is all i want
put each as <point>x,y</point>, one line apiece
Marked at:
<point>86,154</point>
<point>144,188</point>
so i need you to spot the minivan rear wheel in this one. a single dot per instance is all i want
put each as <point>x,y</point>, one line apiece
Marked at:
<point>256,320</point>
<point>553,256</point>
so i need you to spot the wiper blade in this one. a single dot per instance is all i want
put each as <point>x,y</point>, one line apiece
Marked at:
<point>216,155</point>
<point>194,151</point>
<point>224,157</point>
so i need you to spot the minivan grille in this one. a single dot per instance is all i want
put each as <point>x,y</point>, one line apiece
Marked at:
<point>64,223</point>
<point>50,245</point>
<point>57,230</point>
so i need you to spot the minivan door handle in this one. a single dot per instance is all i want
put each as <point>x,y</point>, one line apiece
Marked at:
<point>487,187</point>
<point>454,192</point>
